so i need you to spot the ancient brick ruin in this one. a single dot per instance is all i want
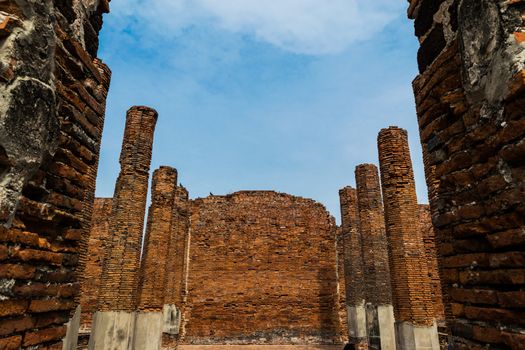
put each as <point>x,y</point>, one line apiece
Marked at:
<point>53,91</point>
<point>260,267</point>
<point>470,98</point>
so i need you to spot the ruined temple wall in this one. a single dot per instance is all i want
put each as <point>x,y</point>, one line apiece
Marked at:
<point>53,92</point>
<point>269,262</point>
<point>470,100</point>
<point>97,248</point>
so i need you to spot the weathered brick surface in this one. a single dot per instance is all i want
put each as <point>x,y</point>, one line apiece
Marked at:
<point>373,235</point>
<point>408,260</point>
<point>176,266</point>
<point>341,286</point>
<point>157,253</point>
<point>429,239</point>
<point>352,254</point>
<point>120,274</point>
<point>262,269</point>
<point>53,92</point>
<point>97,250</point>
<point>472,132</point>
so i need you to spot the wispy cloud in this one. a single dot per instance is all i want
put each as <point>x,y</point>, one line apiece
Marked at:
<point>313,27</point>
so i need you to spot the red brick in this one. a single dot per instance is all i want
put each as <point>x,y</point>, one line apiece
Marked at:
<point>44,336</point>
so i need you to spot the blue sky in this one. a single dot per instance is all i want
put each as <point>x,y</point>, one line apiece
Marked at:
<point>284,95</point>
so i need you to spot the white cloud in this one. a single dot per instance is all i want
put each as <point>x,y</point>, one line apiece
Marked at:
<point>301,26</point>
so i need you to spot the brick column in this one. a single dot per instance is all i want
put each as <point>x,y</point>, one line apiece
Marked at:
<point>118,292</point>
<point>353,268</point>
<point>380,318</point>
<point>429,239</point>
<point>96,252</point>
<point>154,269</point>
<point>415,322</point>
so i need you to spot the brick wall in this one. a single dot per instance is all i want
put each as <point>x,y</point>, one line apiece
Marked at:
<point>341,285</point>
<point>472,132</point>
<point>97,248</point>
<point>373,235</point>
<point>408,261</point>
<point>52,113</point>
<point>118,290</point>
<point>157,252</point>
<point>262,269</point>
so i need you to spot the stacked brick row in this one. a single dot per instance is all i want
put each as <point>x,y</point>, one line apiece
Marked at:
<point>262,269</point>
<point>157,252</point>
<point>53,102</point>
<point>120,274</point>
<point>408,261</point>
<point>97,248</point>
<point>373,235</point>
<point>473,135</point>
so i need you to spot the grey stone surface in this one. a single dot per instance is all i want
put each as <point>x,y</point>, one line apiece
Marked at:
<point>385,315</point>
<point>356,322</point>
<point>112,331</point>
<point>171,319</point>
<point>71,340</point>
<point>148,331</point>
<point>410,337</point>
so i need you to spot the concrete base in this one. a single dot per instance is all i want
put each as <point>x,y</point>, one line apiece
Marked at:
<point>171,319</point>
<point>70,342</point>
<point>410,337</point>
<point>356,322</point>
<point>385,315</point>
<point>112,330</point>
<point>148,331</point>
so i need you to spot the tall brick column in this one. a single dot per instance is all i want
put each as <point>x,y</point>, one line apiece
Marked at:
<point>415,321</point>
<point>118,292</point>
<point>97,250</point>
<point>353,268</point>
<point>157,253</point>
<point>380,318</point>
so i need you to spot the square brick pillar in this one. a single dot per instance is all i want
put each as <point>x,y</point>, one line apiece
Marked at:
<point>154,265</point>
<point>380,315</point>
<point>353,268</point>
<point>120,274</point>
<point>411,286</point>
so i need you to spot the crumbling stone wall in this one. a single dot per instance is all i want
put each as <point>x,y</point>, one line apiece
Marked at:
<point>469,99</point>
<point>341,284</point>
<point>97,250</point>
<point>120,274</point>
<point>269,265</point>
<point>52,105</point>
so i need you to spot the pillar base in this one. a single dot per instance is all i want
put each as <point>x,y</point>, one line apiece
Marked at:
<point>172,319</point>
<point>112,330</point>
<point>410,337</point>
<point>356,323</point>
<point>71,340</point>
<point>148,330</point>
<point>387,331</point>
